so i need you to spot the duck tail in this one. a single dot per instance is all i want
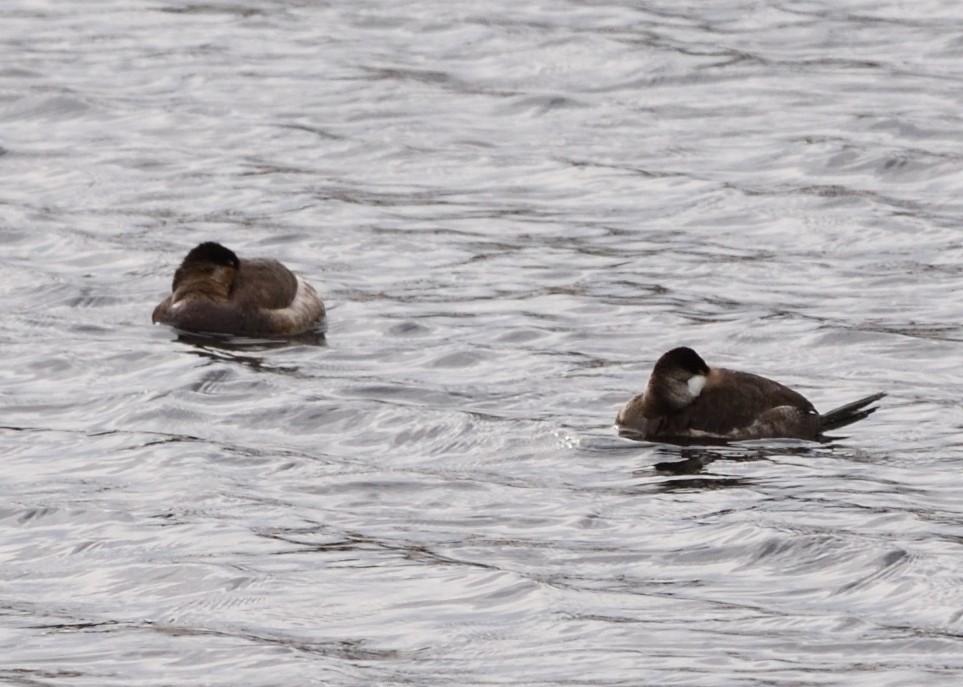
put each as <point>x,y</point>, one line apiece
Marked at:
<point>848,414</point>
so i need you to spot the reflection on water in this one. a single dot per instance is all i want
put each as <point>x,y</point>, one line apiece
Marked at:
<point>692,462</point>
<point>218,347</point>
<point>226,342</point>
<point>695,458</point>
<point>511,211</point>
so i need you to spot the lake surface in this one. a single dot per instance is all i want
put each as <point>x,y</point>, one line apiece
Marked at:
<point>511,210</point>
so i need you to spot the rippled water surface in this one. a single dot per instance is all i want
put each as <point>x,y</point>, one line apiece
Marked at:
<point>511,210</point>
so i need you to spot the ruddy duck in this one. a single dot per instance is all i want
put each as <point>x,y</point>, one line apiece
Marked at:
<point>686,400</point>
<point>215,291</point>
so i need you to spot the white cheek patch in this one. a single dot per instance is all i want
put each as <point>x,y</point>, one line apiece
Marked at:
<point>696,384</point>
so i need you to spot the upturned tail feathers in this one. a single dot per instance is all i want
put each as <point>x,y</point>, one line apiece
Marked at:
<point>848,414</point>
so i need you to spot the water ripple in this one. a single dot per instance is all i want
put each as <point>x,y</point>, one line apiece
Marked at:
<point>510,212</point>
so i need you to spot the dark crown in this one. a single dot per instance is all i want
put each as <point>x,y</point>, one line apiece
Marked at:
<point>212,252</point>
<point>683,358</point>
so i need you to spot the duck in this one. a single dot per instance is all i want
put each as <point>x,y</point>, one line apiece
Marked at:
<point>686,401</point>
<point>215,291</point>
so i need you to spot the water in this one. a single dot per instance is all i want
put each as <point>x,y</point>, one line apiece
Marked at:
<point>511,210</point>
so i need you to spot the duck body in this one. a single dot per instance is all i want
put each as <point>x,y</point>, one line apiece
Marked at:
<point>687,401</point>
<point>215,291</point>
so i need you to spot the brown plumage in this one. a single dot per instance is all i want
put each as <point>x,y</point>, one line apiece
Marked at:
<point>686,400</point>
<point>215,291</point>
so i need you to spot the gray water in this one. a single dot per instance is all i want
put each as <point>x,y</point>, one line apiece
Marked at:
<point>511,209</point>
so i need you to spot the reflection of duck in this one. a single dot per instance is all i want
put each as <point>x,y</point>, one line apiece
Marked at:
<point>215,291</point>
<point>686,400</point>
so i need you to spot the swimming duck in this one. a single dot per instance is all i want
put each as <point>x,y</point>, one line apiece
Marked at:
<point>686,400</point>
<point>215,291</point>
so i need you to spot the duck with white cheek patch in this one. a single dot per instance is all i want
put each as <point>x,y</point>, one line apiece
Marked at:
<point>687,401</point>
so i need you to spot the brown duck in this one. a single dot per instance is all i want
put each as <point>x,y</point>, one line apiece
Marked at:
<point>215,291</point>
<point>687,401</point>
